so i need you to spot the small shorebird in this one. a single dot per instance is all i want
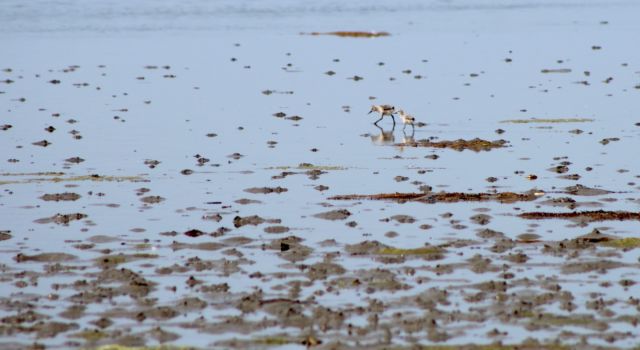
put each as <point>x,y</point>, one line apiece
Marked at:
<point>407,119</point>
<point>383,110</point>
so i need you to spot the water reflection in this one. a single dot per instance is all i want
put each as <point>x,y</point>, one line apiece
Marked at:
<point>408,139</point>
<point>385,137</point>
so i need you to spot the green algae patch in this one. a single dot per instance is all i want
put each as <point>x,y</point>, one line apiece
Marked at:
<point>268,341</point>
<point>547,121</point>
<point>143,246</point>
<point>272,341</point>
<point>623,243</point>
<point>398,255</point>
<point>546,320</point>
<point>475,145</point>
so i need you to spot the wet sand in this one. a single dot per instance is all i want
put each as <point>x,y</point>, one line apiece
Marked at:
<point>206,175</point>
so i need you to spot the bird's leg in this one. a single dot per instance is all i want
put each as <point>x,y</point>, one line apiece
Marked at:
<point>376,122</point>
<point>394,119</point>
<point>404,127</point>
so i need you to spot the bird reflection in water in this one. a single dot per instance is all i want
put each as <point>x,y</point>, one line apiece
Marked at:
<point>385,137</point>
<point>407,140</point>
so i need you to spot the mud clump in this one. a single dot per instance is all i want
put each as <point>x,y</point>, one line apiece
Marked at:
<point>110,261</point>
<point>403,219</point>
<point>194,233</point>
<point>371,281</point>
<point>490,234</point>
<point>44,257</point>
<point>246,201</point>
<point>475,145</point>
<point>322,270</point>
<point>366,248</point>
<point>254,220</point>
<point>339,214</point>
<point>444,197</point>
<point>586,216</point>
<point>151,199</point>
<point>428,253</point>
<point>43,143</point>
<point>5,235</point>
<point>580,190</point>
<point>276,229</point>
<point>591,266</point>
<point>74,160</point>
<point>481,219</point>
<point>290,248</point>
<point>590,241</point>
<point>62,219</point>
<point>266,190</point>
<point>66,196</point>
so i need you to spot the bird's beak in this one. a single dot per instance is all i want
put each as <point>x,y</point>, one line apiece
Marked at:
<point>369,112</point>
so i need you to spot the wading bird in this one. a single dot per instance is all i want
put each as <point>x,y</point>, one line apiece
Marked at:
<point>384,110</point>
<point>407,119</point>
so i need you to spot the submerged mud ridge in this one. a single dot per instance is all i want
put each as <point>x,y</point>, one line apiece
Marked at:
<point>444,197</point>
<point>59,177</point>
<point>476,144</point>
<point>411,294</point>
<point>352,34</point>
<point>596,215</point>
<point>547,120</point>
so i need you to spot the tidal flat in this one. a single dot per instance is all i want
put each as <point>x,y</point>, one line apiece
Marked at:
<point>195,175</point>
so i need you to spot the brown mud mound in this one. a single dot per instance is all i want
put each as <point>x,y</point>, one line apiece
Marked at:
<point>44,257</point>
<point>66,196</point>
<point>580,190</point>
<point>476,144</point>
<point>339,214</point>
<point>444,197</point>
<point>265,190</point>
<point>61,219</point>
<point>351,34</point>
<point>595,215</point>
<point>254,220</point>
<point>548,120</point>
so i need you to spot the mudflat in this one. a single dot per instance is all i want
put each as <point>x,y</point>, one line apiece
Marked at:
<point>205,175</point>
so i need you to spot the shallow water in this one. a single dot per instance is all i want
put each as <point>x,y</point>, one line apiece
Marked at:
<point>212,64</point>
